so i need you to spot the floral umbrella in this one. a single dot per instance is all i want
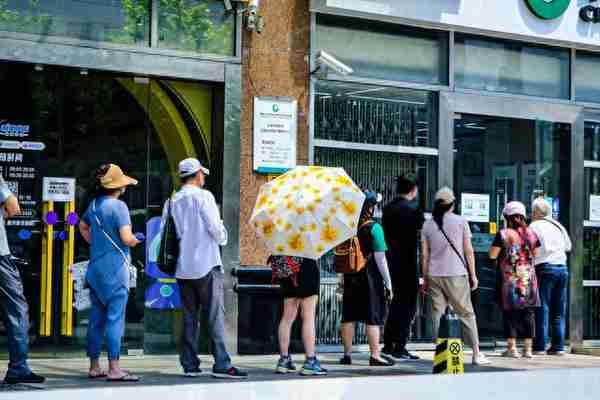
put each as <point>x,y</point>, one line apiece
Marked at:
<point>307,211</point>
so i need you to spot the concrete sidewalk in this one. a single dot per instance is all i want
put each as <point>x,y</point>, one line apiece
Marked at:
<point>164,370</point>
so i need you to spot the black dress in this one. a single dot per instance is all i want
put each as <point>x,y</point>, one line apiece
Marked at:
<point>308,279</point>
<point>364,292</point>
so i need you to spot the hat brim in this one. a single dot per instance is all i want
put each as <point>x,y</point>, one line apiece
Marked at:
<point>205,171</point>
<point>121,182</point>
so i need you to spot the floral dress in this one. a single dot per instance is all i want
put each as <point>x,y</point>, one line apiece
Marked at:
<point>519,282</point>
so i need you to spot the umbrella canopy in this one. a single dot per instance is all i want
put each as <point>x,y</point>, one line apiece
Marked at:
<point>307,211</point>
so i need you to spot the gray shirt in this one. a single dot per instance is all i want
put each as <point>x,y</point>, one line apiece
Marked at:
<point>443,261</point>
<point>5,193</point>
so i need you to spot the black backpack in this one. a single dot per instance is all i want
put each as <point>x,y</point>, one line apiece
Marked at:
<point>168,252</point>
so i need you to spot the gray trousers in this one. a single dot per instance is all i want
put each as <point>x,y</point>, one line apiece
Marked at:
<point>14,312</point>
<point>203,295</point>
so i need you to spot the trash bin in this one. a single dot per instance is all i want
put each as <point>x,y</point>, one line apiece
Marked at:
<point>259,311</point>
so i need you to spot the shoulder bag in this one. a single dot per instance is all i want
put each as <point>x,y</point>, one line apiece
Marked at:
<point>130,267</point>
<point>462,260</point>
<point>168,252</point>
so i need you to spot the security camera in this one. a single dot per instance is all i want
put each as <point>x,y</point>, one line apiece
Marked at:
<point>326,59</point>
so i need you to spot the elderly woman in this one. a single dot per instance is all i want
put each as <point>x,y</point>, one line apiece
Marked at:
<point>106,226</point>
<point>552,275</point>
<point>515,248</point>
<point>448,266</point>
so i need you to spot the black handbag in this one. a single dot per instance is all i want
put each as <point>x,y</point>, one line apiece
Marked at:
<point>168,252</point>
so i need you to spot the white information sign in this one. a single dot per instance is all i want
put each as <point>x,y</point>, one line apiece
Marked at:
<point>275,125</point>
<point>475,207</point>
<point>594,208</point>
<point>58,189</point>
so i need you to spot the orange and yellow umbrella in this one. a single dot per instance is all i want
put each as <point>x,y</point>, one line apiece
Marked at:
<point>307,211</point>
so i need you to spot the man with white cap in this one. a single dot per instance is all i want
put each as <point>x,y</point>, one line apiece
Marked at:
<point>199,269</point>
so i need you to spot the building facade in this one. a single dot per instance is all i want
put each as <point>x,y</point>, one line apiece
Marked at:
<point>499,100</point>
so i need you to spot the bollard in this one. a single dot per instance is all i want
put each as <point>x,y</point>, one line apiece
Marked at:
<point>449,356</point>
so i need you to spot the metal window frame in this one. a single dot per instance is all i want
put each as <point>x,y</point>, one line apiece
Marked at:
<point>149,60</point>
<point>383,148</point>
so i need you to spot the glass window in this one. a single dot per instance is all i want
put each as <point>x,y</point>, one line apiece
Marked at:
<point>592,141</point>
<point>587,86</point>
<point>196,25</point>
<point>395,52</point>
<point>125,21</point>
<point>511,67</point>
<point>375,115</point>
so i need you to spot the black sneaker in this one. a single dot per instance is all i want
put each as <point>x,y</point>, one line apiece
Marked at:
<point>285,365</point>
<point>30,378</point>
<point>406,356</point>
<point>388,351</point>
<point>346,360</point>
<point>384,362</point>
<point>231,373</point>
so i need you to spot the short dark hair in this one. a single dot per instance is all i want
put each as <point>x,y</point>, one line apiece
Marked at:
<point>406,183</point>
<point>186,179</point>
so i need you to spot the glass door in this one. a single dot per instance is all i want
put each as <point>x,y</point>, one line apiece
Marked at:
<point>497,160</point>
<point>591,237</point>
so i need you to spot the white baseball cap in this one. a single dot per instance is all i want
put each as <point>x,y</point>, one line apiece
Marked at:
<point>445,195</point>
<point>190,166</point>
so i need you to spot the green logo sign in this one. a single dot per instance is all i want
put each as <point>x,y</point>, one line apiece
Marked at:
<point>275,108</point>
<point>548,9</point>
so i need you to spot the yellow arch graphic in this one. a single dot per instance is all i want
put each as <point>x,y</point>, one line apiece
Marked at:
<point>173,134</point>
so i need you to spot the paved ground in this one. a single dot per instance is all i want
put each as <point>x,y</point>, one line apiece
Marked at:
<point>163,370</point>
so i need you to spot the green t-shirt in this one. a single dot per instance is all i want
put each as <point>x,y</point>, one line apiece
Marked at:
<point>378,238</point>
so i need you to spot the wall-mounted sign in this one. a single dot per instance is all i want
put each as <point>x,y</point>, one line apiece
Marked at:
<point>590,13</point>
<point>548,9</point>
<point>594,208</point>
<point>275,125</point>
<point>475,207</point>
<point>58,189</point>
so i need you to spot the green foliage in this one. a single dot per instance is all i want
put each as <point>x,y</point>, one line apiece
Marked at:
<point>30,22</point>
<point>190,25</point>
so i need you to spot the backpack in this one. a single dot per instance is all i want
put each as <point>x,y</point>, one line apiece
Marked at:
<point>168,252</point>
<point>283,267</point>
<point>349,255</point>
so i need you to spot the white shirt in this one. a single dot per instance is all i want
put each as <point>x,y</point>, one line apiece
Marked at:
<point>554,240</point>
<point>200,231</point>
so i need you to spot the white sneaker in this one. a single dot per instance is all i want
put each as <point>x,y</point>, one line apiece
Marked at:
<point>481,359</point>
<point>193,373</point>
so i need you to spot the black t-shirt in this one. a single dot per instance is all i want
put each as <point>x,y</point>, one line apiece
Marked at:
<point>402,221</point>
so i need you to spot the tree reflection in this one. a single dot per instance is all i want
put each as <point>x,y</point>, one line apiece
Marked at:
<point>190,25</point>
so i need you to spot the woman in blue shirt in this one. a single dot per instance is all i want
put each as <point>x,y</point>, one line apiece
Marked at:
<point>106,226</point>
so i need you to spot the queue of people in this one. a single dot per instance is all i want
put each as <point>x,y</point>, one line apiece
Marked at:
<point>382,294</point>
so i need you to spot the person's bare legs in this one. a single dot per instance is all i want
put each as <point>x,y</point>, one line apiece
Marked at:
<point>512,344</point>
<point>373,336</point>
<point>528,350</point>
<point>96,369</point>
<point>309,310</point>
<point>347,331</point>
<point>115,371</point>
<point>290,312</point>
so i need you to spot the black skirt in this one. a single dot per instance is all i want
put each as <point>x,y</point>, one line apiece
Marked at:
<point>519,324</point>
<point>308,279</point>
<point>364,297</point>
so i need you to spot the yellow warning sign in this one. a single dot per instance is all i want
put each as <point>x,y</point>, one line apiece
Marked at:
<point>449,357</point>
